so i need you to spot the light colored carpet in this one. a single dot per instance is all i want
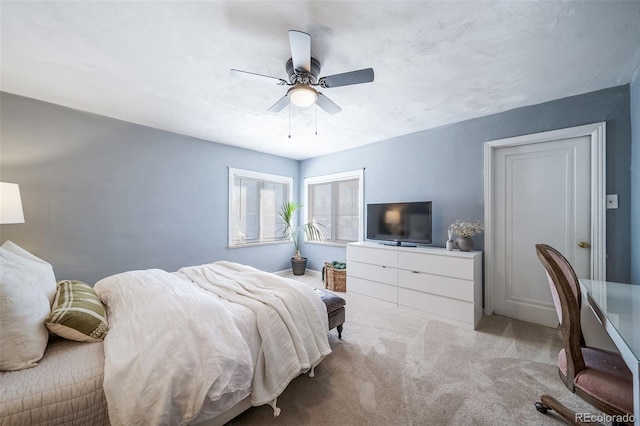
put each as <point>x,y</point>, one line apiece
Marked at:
<point>394,367</point>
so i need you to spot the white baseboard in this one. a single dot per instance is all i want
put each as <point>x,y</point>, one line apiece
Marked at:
<point>308,272</point>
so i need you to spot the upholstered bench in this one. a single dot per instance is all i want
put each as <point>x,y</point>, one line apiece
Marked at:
<point>335,309</point>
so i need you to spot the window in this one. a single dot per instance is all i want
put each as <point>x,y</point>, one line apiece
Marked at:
<point>254,206</point>
<point>336,201</point>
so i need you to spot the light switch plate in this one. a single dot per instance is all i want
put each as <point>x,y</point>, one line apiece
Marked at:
<point>612,201</point>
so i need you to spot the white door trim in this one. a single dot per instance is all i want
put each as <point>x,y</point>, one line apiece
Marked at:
<point>597,132</point>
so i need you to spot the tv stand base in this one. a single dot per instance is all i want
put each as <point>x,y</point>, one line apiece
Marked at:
<point>398,244</point>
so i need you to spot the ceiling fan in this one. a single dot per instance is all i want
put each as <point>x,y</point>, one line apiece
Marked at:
<point>303,71</point>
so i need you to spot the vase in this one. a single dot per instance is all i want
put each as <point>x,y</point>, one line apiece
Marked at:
<point>464,243</point>
<point>449,245</point>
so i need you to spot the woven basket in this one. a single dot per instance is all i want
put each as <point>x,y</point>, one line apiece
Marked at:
<point>335,279</point>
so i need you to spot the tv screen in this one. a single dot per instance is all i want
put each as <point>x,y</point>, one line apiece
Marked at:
<point>400,222</point>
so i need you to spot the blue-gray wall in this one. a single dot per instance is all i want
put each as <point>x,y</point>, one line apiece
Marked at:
<point>445,165</point>
<point>102,196</point>
<point>635,179</point>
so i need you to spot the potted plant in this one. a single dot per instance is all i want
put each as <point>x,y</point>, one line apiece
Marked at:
<point>298,263</point>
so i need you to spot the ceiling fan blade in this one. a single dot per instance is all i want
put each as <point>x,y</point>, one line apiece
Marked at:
<point>348,78</point>
<point>300,50</point>
<point>258,77</point>
<point>278,106</point>
<point>327,104</point>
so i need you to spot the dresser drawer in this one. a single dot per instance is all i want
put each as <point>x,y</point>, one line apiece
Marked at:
<point>372,255</point>
<point>454,288</point>
<point>446,265</point>
<point>371,272</point>
<point>437,305</point>
<point>381,291</point>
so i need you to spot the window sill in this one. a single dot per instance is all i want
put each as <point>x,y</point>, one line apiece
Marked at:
<point>328,243</point>
<point>266,243</point>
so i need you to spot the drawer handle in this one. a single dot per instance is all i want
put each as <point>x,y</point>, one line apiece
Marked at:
<point>384,266</point>
<point>415,272</point>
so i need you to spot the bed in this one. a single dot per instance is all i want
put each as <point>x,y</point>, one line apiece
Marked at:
<point>64,389</point>
<point>197,346</point>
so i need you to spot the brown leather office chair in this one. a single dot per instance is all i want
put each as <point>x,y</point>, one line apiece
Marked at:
<point>599,377</point>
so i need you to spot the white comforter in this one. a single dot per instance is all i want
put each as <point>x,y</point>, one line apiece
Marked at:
<point>172,342</point>
<point>291,319</point>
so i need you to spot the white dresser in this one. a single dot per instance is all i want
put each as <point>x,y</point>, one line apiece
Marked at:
<point>446,285</point>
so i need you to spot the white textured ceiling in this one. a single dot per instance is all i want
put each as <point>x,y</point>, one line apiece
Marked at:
<point>166,64</point>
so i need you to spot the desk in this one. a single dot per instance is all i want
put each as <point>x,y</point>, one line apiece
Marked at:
<point>617,306</point>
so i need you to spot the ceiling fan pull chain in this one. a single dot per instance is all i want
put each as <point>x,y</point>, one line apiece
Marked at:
<point>316,119</point>
<point>289,120</point>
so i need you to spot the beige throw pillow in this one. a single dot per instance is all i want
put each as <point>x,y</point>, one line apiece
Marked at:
<point>25,286</point>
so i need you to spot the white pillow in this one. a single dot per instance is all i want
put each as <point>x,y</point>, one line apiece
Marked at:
<point>25,288</point>
<point>49,278</point>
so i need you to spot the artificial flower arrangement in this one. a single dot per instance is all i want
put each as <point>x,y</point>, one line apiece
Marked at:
<point>466,229</point>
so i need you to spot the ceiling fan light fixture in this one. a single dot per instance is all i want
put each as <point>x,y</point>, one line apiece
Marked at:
<point>303,95</point>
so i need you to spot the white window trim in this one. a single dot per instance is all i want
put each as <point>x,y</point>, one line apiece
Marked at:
<point>353,174</point>
<point>233,173</point>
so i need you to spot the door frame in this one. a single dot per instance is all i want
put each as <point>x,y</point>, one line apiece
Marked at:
<point>597,132</point>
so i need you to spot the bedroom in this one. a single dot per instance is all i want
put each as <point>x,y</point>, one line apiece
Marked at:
<point>103,195</point>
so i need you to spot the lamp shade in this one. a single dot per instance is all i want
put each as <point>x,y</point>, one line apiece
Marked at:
<point>10,204</point>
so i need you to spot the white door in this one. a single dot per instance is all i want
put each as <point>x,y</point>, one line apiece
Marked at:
<point>541,194</point>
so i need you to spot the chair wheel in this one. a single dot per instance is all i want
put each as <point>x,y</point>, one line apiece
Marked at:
<point>542,408</point>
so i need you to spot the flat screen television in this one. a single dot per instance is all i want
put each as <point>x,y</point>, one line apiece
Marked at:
<point>400,223</point>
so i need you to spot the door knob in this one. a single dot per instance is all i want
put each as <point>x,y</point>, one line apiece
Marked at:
<point>584,244</point>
